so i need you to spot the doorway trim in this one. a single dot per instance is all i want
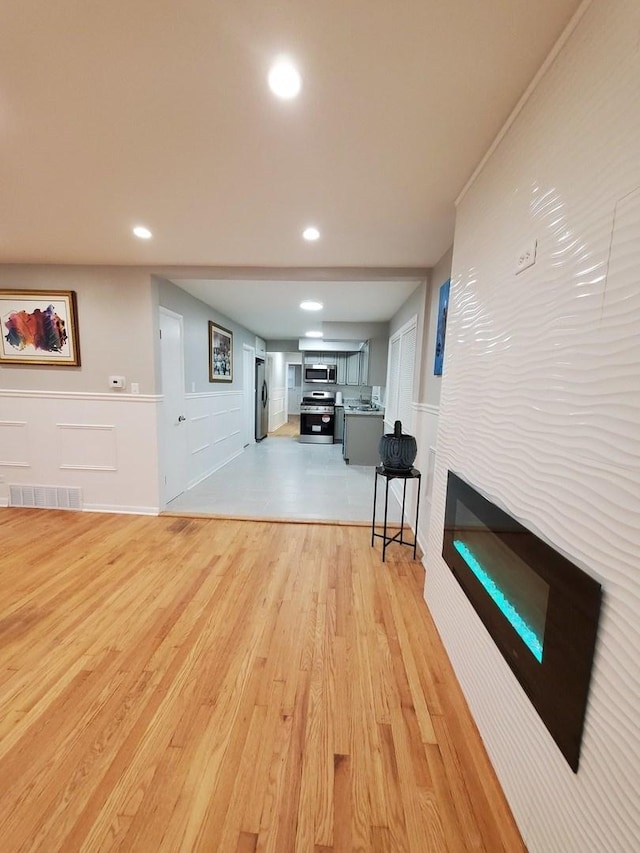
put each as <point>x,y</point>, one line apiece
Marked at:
<point>167,443</point>
<point>287,365</point>
<point>249,394</point>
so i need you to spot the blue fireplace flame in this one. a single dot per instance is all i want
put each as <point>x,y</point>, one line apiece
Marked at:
<point>524,631</point>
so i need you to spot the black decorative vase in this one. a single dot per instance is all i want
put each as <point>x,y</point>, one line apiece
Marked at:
<point>398,451</point>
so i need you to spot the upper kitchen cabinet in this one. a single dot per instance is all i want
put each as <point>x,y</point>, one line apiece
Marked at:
<point>377,351</point>
<point>313,357</point>
<point>354,369</point>
<point>261,348</point>
<point>366,366</point>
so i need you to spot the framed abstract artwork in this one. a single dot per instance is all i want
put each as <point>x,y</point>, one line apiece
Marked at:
<point>220,354</point>
<point>441,331</point>
<point>39,327</point>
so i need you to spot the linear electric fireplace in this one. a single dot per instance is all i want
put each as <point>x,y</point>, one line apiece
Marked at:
<point>541,611</point>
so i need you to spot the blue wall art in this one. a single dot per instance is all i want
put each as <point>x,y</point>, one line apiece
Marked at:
<point>443,307</point>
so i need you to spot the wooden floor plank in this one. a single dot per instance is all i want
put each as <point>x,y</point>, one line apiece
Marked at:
<point>221,685</point>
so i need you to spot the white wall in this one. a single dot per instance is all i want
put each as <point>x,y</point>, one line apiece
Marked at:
<point>277,383</point>
<point>214,431</point>
<point>293,396</point>
<point>63,426</point>
<point>427,407</point>
<point>540,411</point>
<point>214,410</point>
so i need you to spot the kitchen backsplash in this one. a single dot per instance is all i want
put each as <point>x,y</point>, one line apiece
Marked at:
<point>351,391</point>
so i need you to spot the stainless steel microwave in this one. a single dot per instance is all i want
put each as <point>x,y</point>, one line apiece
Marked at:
<point>320,373</point>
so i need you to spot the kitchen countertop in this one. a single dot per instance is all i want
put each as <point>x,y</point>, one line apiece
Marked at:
<point>368,413</point>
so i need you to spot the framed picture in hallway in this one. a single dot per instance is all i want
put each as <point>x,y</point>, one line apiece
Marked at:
<point>220,354</point>
<point>39,327</point>
<point>441,331</point>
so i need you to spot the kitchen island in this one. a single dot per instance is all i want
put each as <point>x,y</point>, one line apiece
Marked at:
<point>363,429</point>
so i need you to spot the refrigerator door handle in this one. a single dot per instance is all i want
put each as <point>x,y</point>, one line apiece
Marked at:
<point>265,396</point>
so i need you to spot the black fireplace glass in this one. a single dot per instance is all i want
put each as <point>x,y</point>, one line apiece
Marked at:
<point>540,609</point>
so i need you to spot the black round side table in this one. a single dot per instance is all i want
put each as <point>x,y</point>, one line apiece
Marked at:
<point>410,474</point>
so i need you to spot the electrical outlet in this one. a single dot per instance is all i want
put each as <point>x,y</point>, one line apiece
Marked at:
<point>527,257</point>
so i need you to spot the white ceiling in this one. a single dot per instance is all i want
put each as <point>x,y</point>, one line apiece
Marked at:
<point>157,112</point>
<point>272,308</point>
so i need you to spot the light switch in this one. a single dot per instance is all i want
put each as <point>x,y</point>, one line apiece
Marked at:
<point>527,257</point>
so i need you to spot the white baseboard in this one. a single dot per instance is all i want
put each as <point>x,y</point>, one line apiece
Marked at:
<point>122,510</point>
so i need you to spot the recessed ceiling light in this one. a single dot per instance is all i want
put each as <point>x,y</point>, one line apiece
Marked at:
<point>284,79</point>
<point>142,232</point>
<point>310,305</point>
<point>311,233</point>
<point>313,334</point>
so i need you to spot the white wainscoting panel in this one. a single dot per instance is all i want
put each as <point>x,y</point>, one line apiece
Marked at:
<point>14,444</point>
<point>277,414</point>
<point>540,411</point>
<point>103,444</point>
<point>215,432</point>
<point>87,447</point>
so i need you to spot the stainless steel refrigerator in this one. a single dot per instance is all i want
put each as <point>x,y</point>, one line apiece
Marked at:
<point>262,401</point>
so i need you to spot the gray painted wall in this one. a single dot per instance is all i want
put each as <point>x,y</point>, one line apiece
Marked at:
<point>430,385</point>
<point>115,323</point>
<point>196,316</point>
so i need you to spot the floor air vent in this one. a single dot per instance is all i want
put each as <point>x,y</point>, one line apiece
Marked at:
<point>46,497</point>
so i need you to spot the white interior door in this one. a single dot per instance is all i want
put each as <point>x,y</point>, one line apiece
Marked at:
<point>173,421</point>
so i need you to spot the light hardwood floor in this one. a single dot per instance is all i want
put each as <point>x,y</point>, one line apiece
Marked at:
<point>216,685</point>
<point>289,430</point>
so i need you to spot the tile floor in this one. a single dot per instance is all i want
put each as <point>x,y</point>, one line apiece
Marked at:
<point>281,478</point>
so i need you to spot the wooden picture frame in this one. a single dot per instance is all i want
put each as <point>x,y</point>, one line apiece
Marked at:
<point>39,327</point>
<point>220,353</point>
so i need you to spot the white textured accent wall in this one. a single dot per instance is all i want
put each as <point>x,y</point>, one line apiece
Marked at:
<point>540,411</point>
<point>425,418</point>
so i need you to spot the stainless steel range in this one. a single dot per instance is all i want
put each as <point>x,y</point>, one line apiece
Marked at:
<point>317,417</point>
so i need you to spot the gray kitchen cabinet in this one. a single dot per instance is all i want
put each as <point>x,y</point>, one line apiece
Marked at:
<point>364,364</point>
<point>361,439</point>
<point>377,361</point>
<point>338,425</point>
<point>353,368</point>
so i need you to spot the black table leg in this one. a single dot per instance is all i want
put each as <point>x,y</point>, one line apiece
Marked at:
<point>375,495</point>
<point>404,500</point>
<point>415,534</point>
<point>386,506</point>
